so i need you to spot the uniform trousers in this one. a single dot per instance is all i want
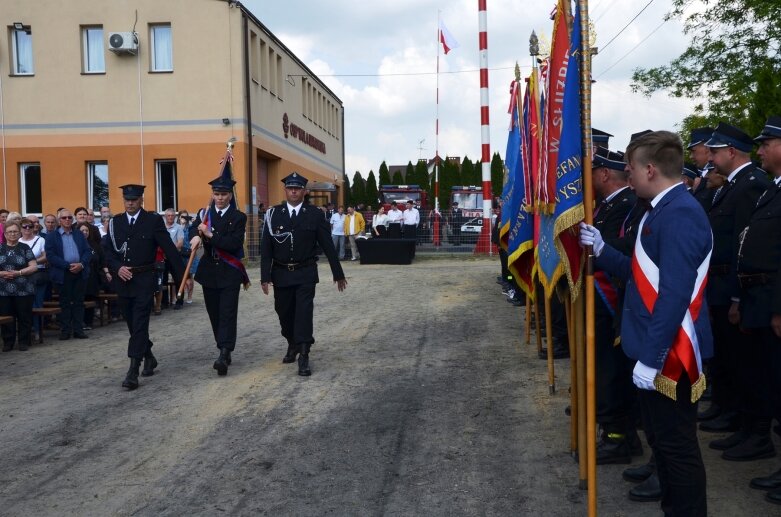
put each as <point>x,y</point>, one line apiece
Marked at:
<point>295,308</point>
<point>754,376</point>
<point>72,303</point>
<point>671,429</point>
<point>222,305</point>
<point>614,388</point>
<point>136,311</point>
<point>726,354</point>
<point>774,343</point>
<point>21,308</point>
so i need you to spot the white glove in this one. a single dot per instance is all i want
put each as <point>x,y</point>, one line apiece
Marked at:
<point>590,236</point>
<point>643,376</point>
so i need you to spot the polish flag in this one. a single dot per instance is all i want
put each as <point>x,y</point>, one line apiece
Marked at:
<point>446,38</point>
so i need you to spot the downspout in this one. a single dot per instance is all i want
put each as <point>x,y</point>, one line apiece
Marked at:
<point>248,94</point>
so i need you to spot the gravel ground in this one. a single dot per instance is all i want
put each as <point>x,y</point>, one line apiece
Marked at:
<point>423,401</point>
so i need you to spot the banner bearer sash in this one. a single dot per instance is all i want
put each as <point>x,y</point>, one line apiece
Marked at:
<point>607,291</point>
<point>684,355</point>
<point>233,261</point>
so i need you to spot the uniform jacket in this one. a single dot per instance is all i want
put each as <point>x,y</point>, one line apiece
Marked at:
<point>283,242</point>
<point>760,252</point>
<point>54,254</point>
<point>142,240</point>
<point>703,194</point>
<point>729,215</point>
<point>360,224</point>
<point>228,235</point>
<point>677,251</point>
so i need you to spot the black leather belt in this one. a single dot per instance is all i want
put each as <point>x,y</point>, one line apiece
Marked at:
<point>295,265</point>
<point>718,270</point>
<point>141,269</point>
<point>753,280</point>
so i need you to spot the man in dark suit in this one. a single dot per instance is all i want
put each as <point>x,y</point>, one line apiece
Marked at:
<point>663,327</point>
<point>729,215</point>
<point>130,247</point>
<point>707,183</point>
<point>220,271</point>
<point>759,308</point>
<point>615,393</point>
<point>69,256</point>
<point>288,261</point>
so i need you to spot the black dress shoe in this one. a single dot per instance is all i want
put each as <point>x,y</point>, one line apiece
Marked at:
<point>150,363</point>
<point>228,358</point>
<point>755,447</point>
<point>773,497</point>
<point>647,491</point>
<point>8,348</point>
<point>221,364</point>
<point>639,474</point>
<point>730,441</point>
<point>303,361</point>
<point>771,482</point>
<point>726,422</point>
<point>709,414</point>
<point>560,351</point>
<point>611,452</point>
<point>290,356</point>
<point>131,379</point>
<point>80,335</point>
<point>516,302</point>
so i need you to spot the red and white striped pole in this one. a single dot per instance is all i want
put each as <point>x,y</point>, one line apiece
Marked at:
<point>435,239</point>
<point>484,242</point>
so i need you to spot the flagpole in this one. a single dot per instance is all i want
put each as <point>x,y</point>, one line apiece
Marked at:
<point>484,244</point>
<point>436,138</point>
<point>588,202</point>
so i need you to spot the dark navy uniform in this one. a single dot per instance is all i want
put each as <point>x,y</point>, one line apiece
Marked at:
<point>221,282</point>
<point>288,260</point>
<point>135,248</point>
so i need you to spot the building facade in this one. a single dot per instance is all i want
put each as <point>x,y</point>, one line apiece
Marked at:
<point>98,94</point>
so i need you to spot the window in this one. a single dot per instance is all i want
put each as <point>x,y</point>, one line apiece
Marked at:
<point>97,185</point>
<point>253,57</point>
<point>93,61</point>
<point>280,75</point>
<point>166,184</point>
<point>263,64</point>
<point>30,188</point>
<point>161,46</point>
<point>22,47</point>
<point>272,71</point>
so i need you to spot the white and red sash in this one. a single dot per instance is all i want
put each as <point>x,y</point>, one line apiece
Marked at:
<point>684,354</point>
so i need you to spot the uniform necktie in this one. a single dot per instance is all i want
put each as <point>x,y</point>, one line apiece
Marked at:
<point>132,221</point>
<point>293,215</point>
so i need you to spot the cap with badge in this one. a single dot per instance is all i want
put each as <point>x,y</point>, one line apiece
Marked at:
<point>637,135</point>
<point>295,180</point>
<point>699,136</point>
<point>222,183</point>
<point>600,137</point>
<point>772,129</point>
<point>727,135</point>
<point>604,157</point>
<point>132,191</point>
<point>690,171</point>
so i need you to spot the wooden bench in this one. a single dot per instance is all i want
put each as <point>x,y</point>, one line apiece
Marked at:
<point>41,313</point>
<point>106,301</point>
<point>4,320</point>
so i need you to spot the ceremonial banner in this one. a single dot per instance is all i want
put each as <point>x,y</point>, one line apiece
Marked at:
<point>511,156</point>
<point>558,251</point>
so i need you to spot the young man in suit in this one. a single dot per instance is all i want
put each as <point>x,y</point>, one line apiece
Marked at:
<point>220,271</point>
<point>130,247</point>
<point>664,327</point>
<point>288,261</point>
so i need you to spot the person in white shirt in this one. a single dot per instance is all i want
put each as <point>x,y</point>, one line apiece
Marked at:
<point>411,218</point>
<point>337,232</point>
<point>380,223</point>
<point>176,232</point>
<point>395,218</point>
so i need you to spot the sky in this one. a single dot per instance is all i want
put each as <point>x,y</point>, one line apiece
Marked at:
<point>380,59</point>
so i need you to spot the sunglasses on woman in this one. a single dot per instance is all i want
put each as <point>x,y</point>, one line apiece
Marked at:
<point>27,227</point>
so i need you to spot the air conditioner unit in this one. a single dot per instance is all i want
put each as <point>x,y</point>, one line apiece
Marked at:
<point>123,43</point>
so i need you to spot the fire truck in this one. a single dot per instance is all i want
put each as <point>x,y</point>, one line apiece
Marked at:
<point>469,199</point>
<point>401,194</point>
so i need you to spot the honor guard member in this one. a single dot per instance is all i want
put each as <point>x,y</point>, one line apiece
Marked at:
<point>288,261</point>
<point>759,273</point>
<point>615,392</point>
<point>130,248</point>
<point>220,271</point>
<point>729,214</point>
<point>690,175</point>
<point>708,182</point>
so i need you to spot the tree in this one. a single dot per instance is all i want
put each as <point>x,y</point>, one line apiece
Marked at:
<point>397,179</point>
<point>732,63</point>
<point>409,175</point>
<point>422,179</point>
<point>358,190</point>
<point>497,175</point>
<point>471,174</point>
<point>372,195</point>
<point>449,176</point>
<point>347,190</point>
<point>385,178</point>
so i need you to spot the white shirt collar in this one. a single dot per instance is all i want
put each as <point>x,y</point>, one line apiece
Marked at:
<point>129,217</point>
<point>290,207</point>
<point>661,194</point>
<point>736,171</point>
<point>777,180</point>
<point>614,194</point>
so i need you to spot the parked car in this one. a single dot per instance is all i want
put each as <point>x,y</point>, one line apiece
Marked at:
<point>471,229</point>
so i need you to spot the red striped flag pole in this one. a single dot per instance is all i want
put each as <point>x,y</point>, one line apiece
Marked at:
<point>435,239</point>
<point>484,242</point>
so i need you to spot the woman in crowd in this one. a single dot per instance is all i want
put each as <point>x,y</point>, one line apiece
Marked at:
<point>380,223</point>
<point>185,219</point>
<point>41,277</point>
<point>98,271</point>
<point>17,287</point>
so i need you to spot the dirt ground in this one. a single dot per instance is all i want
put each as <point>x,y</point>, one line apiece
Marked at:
<point>423,401</point>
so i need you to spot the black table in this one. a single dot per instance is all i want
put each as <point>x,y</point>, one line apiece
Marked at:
<point>386,251</point>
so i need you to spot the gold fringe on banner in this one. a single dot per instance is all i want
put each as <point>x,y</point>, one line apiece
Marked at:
<point>667,387</point>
